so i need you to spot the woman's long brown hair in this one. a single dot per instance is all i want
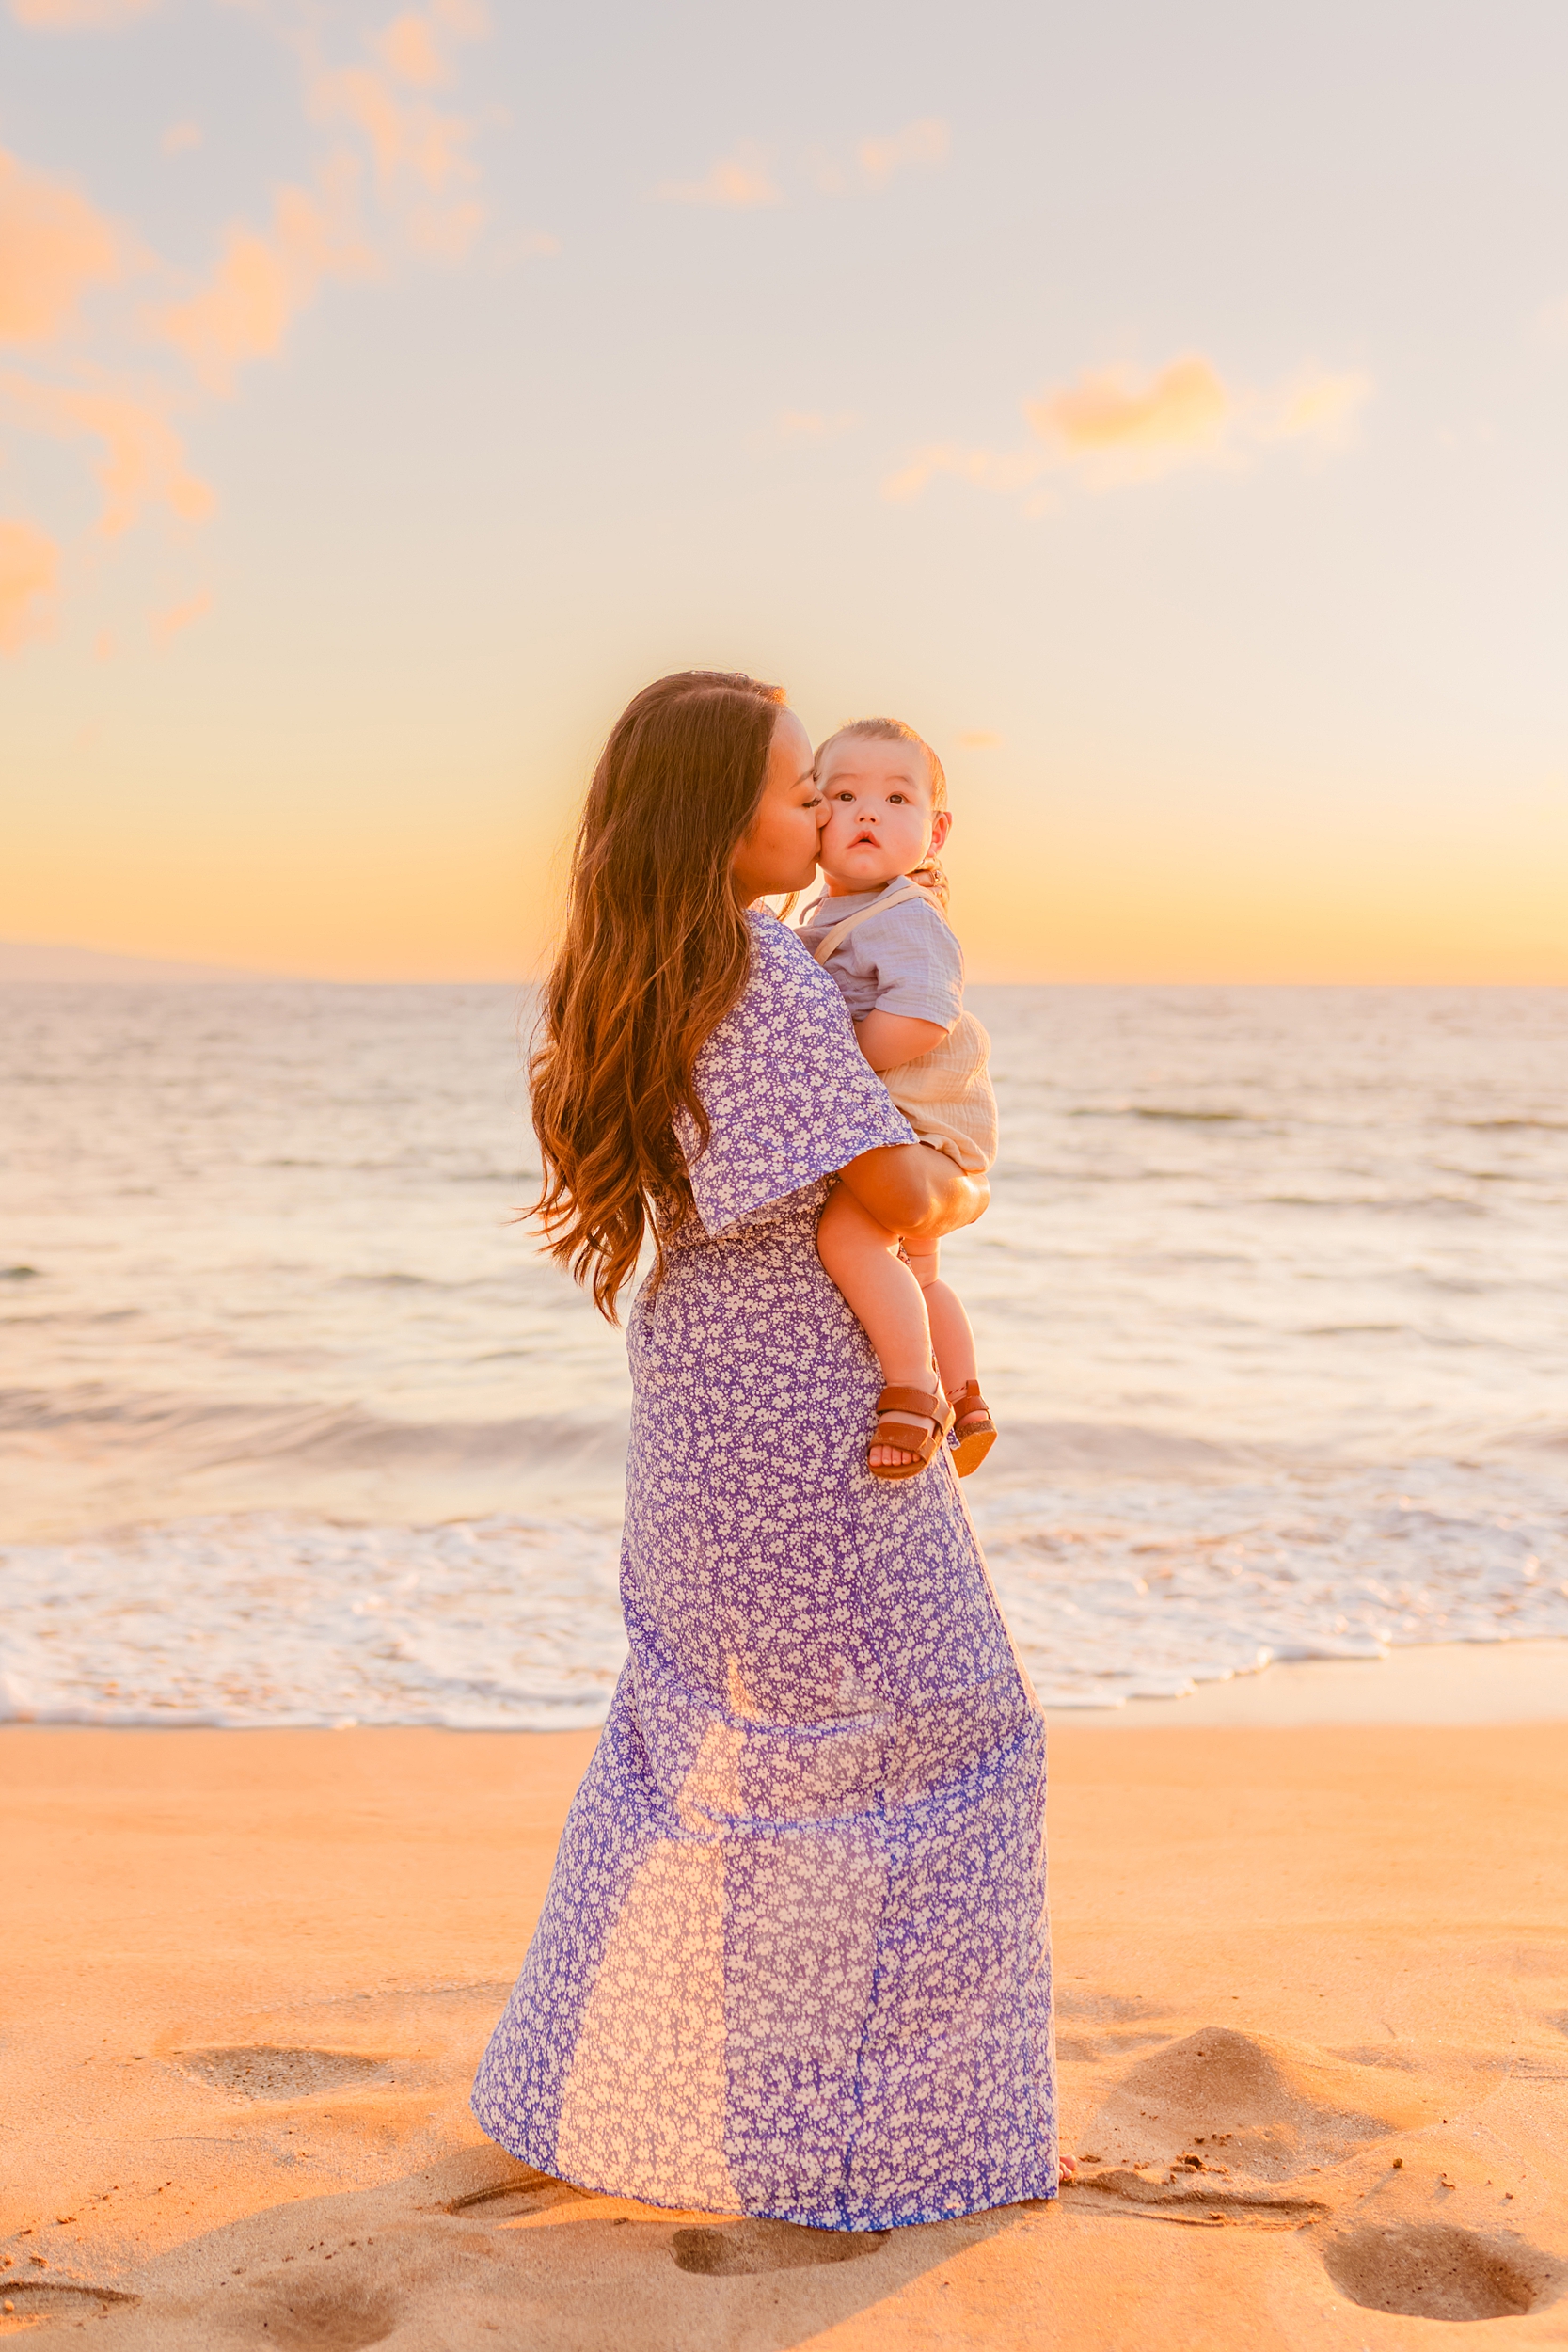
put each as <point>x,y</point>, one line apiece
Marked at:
<point>656,952</point>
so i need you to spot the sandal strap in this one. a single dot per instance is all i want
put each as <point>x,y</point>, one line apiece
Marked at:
<point>966,1402</point>
<point>899,1437</point>
<point>929,1405</point>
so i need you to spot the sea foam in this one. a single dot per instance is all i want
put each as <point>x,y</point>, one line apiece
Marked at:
<point>509,1623</point>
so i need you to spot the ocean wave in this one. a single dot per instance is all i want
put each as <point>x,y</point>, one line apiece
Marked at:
<point>1132,1590</point>
<point>181,1433</point>
<point>1158,1111</point>
<point>316,1435</point>
<point>502,1623</point>
<point>1143,1590</point>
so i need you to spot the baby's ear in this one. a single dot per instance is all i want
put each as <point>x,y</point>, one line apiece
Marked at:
<point>942,825</point>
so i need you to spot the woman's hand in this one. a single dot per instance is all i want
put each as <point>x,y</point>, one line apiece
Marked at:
<point>916,1192</point>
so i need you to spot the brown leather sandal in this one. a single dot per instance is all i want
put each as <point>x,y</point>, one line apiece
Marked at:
<point>903,1436</point>
<point>970,1447</point>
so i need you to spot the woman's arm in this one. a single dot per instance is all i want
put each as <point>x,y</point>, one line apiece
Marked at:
<point>888,1038</point>
<point>916,1192</point>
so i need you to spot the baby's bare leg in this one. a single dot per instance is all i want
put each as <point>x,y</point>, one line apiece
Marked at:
<point>950,1333</point>
<point>862,1257</point>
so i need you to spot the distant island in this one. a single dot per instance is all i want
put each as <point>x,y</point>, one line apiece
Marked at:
<point>50,960</point>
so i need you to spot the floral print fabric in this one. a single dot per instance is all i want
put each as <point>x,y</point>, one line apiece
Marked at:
<point>793,1961</point>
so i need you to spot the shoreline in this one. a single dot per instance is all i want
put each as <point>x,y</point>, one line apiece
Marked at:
<point>1415,1683</point>
<point>1419,1683</point>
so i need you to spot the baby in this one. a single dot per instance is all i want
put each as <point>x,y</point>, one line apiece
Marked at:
<point>885,940</point>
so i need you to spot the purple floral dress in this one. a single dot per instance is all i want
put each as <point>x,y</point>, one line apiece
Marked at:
<point>794,1958</point>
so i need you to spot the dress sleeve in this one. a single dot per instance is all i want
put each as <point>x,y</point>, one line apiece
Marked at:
<point>789,1095</point>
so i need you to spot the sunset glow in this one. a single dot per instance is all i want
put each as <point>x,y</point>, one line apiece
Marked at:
<point>386,394</point>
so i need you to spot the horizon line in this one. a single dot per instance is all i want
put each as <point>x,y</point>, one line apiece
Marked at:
<point>131,969</point>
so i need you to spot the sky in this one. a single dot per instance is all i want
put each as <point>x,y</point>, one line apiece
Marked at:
<point>1165,410</point>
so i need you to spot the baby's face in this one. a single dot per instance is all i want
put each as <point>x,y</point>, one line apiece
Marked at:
<point>881,822</point>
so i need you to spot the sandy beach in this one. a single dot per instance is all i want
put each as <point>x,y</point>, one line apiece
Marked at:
<point>1312,2010</point>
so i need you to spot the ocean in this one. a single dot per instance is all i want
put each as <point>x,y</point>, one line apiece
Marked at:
<point>295,1427</point>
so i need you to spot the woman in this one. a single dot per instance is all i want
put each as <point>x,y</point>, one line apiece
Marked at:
<point>793,1961</point>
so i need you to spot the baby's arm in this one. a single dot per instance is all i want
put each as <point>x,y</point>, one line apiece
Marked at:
<point>888,1038</point>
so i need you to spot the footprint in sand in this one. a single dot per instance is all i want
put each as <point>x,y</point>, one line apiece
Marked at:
<point>1125,2026</point>
<point>265,2073</point>
<point>740,2250</point>
<point>729,2249</point>
<point>1430,2271</point>
<point>31,2300</point>
<point>507,2200</point>
<point>329,2316</point>
<point>1229,2118</point>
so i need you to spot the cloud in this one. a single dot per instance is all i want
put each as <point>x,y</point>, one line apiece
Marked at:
<point>396,175</point>
<point>1314,406</point>
<point>54,245</point>
<point>981,740</point>
<point>987,468</point>
<point>740,182</point>
<point>70,16</point>
<point>407,139</point>
<point>924,142</point>
<point>29,565</point>
<point>1111,428</point>
<point>426,174</point>
<point>1118,429</point>
<point>410,49</point>
<point>169,625</point>
<point>1184,411</point>
<point>811,425</point>
<point>263,281</point>
<point>141,461</point>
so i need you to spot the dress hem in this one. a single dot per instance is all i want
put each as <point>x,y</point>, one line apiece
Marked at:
<point>771,2213</point>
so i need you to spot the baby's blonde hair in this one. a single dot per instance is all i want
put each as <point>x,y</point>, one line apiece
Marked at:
<point>890,731</point>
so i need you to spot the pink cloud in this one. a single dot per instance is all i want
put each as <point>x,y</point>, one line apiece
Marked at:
<point>261,281</point>
<point>141,460</point>
<point>1183,411</point>
<point>54,246</point>
<point>414,173</point>
<point>925,142</point>
<point>739,182</point>
<point>70,16</point>
<point>29,565</point>
<point>426,173</point>
<point>168,624</point>
<point>1111,428</point>
<point>410,48</point>
<point>987,468</point>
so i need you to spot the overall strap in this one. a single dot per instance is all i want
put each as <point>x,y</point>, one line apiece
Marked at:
<point>838,932</point>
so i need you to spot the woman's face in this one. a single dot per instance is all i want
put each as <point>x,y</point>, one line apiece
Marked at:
<point>778,851</point>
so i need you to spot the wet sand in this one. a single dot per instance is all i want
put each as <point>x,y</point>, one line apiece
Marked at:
<point>1313,2021</point>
